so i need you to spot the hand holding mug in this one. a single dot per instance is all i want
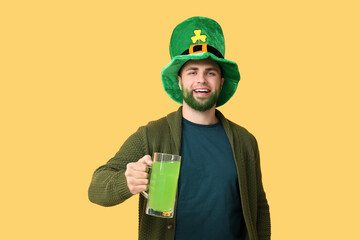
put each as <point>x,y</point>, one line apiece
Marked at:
<point>137,176</point>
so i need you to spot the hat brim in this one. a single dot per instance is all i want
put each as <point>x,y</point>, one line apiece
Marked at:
<point>229,69</point>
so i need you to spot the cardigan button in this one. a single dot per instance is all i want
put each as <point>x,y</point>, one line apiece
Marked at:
<point>170,226</point>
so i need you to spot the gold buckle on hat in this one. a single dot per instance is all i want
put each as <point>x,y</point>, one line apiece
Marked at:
<point>203,48</point>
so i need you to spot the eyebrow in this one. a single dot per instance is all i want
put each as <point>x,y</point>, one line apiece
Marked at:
<point>208,69</point>
<point>191,68</point>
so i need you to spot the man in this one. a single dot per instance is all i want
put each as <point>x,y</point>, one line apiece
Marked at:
<point>220,191</point>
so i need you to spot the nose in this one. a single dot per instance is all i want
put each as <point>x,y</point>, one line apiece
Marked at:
<point>201,78</point>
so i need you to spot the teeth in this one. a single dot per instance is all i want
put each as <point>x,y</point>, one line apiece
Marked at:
<point>202,90</point>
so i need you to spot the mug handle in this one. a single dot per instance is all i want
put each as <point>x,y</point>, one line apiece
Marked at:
<point>144,193</point>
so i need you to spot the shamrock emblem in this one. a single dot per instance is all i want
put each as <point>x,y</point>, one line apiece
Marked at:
<point>198,37</point>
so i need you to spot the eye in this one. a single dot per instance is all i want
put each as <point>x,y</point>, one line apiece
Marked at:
<point>192,73</point>
<point>212,73</point>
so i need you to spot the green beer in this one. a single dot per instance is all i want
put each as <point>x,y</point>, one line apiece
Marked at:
<point>163,185</point>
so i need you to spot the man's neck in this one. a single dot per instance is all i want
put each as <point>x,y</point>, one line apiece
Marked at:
<point>204,118</point>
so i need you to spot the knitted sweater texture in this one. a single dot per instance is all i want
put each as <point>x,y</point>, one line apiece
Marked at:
<point>108,186</point>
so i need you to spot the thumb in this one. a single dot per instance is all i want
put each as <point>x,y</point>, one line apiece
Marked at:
<point>146,160</point>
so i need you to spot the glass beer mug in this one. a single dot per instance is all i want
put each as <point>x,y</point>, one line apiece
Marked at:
<point>162,190</point>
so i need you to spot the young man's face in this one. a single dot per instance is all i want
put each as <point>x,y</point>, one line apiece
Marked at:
<point>201,83</point>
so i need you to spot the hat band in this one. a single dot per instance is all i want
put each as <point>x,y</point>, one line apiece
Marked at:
<point>200,48</point>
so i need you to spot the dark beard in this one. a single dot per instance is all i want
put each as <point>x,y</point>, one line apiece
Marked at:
<point>200,106</point>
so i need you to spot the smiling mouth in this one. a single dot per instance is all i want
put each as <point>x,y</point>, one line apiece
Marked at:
<point>201,91</point>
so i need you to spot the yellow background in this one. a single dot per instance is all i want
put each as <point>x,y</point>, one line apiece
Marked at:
<point>78,77</point>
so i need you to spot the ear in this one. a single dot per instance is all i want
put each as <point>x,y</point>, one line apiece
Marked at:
<point>222,82</point>
<point>179,79</point>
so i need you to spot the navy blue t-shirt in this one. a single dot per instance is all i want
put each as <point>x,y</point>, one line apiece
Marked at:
<point>208,204</point>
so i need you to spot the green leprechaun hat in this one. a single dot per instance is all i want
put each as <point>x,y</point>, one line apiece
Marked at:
<point>199,38</point>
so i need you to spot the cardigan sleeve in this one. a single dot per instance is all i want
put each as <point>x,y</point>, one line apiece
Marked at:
<point>263,214</point>
<point>108,186</point>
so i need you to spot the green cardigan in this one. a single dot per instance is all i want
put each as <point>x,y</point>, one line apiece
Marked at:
<point>108,186</point>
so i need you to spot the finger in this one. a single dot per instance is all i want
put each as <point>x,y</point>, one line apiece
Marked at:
<point>137,189</point>
<point>137,182</point>
<point>135,185</point>
<point>131,173</point>
<point>149,161</point>
<point>139,175</point>
<point>136,166</point>
<point>145,160</point>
